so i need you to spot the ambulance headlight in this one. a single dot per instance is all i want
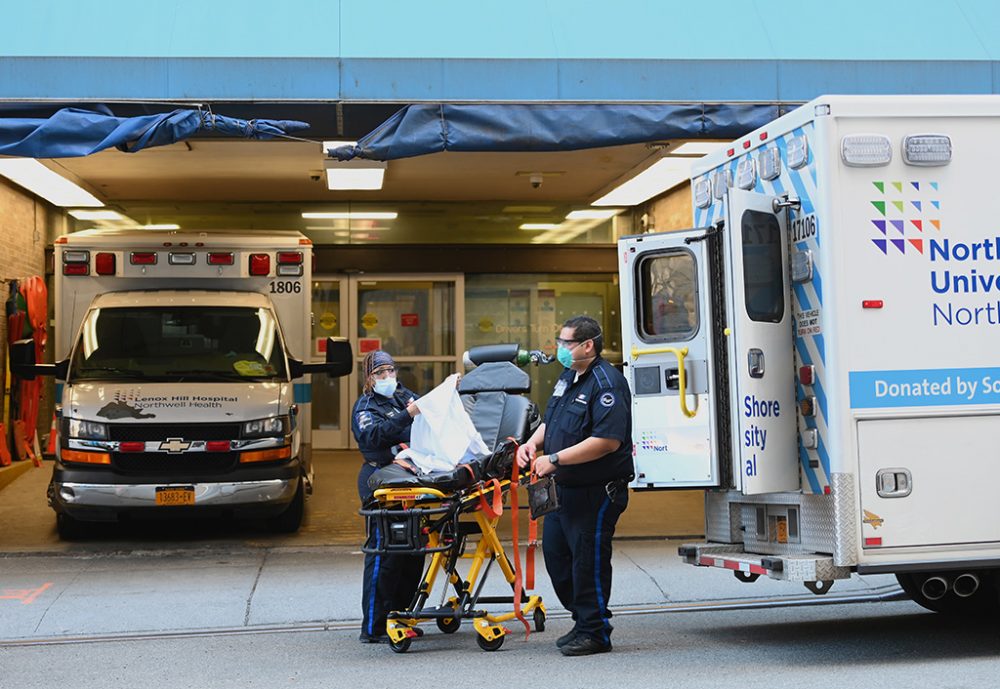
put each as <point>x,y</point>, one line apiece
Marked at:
<point>927,149</point>
<point>866,150</point>
<point>266,428</point>
<point>86,430</point>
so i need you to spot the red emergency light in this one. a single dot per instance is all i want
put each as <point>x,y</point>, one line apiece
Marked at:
<point>872,304</point>
<point>807,374</point>
<point>220,258</point>
<point>286,257</point>
<point>131,446</point>
<point>76,269</point>
<point>105,263</point>
<point>217,446</point>
<point>260,264</point>
<point>143,258</point>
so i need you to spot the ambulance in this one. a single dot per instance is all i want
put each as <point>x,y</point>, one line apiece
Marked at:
<point>822,351</point>
<point>185,387</point>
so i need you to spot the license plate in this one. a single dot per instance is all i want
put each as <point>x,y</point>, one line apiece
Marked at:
<point>172,496</point>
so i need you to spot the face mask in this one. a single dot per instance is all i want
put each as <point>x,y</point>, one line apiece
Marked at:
<point>565,356</point>
<point>385,386</point>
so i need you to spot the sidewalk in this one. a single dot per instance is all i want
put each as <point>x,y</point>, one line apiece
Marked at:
<point>213,587</point>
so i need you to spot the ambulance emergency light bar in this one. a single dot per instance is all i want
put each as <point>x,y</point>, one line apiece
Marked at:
<point>77,261</point>
<point>874,150</point>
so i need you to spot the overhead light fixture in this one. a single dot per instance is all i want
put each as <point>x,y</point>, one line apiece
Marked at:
<point>354,175</point>
<point>51,186</point>
<point>161,226</point>
<point>96,215</point>
<point>697,148</point>
<point>352,215</point>
<point>540,226</point>
<point>593,214</point>
<point>661,176</point>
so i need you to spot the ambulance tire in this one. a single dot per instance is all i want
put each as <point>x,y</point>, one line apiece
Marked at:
<point>69,528</point>
<point>984,602</point>
<point>290,520</point>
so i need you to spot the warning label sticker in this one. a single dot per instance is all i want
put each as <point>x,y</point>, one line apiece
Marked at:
<point>807,323</point>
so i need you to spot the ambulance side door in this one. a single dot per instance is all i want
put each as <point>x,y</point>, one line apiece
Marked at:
<point>666,320</point>
<point>761,345</point>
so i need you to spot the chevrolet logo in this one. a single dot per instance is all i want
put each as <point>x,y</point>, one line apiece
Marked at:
<point>174,445</point>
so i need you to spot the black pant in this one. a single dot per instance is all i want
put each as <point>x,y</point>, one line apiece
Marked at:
<point>390,581</point>
<point>576,542</point>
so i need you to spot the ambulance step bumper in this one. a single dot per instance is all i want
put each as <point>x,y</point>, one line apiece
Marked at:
<point>801,567</point>
<point>275,491</point>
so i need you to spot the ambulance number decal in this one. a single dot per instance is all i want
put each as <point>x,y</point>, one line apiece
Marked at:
<point>286,287</point>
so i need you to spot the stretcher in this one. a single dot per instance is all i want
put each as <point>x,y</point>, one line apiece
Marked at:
<point>453,517</point>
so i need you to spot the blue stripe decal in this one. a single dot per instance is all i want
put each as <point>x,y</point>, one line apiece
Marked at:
<point>808,471</point>
<point>374,584</point>
<point>302,392</point>
<point>800,294</point>
<point>601,606</point>
<point>818,282</point>
<point>820,347</point>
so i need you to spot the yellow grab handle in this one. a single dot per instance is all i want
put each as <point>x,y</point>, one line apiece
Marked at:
<point>682,379</point>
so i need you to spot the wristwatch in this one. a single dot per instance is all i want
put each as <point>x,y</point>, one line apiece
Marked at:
<point>554,458</point>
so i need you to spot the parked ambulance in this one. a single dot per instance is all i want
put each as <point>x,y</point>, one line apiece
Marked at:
<point>822,353</point>
<point>184,383</point>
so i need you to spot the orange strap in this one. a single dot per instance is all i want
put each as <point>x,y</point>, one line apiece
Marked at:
<point>515,475</point>
<point>4,449</point>
<point>494,507</point>
<point>529,579</point>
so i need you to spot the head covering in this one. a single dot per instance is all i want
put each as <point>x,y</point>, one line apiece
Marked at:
<point>373,361</point>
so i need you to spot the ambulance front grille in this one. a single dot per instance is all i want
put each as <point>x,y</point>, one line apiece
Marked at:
<point>180,465</point>
<point>161,431</point>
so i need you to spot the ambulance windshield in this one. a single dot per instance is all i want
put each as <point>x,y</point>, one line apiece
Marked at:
<point>179,344</point>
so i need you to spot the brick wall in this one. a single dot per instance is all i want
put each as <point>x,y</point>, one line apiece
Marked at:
<point>27,225</point>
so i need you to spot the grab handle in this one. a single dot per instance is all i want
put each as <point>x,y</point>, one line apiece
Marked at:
<point>680,353</point>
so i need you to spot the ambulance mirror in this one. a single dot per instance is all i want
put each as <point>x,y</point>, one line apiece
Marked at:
<point>339,360</point>
<point>22,362</point>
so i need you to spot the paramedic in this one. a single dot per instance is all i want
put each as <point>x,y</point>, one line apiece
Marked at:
<point>381,418</point>
<point>587,440</point>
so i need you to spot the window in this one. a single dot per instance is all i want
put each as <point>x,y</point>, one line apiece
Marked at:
<point>763,280</point>
<point>668,297</point>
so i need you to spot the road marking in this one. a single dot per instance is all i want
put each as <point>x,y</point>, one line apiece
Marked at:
<point>26,596</point>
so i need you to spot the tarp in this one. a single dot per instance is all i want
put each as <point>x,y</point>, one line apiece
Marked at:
<point>431,128</point>
<point>72,132</point>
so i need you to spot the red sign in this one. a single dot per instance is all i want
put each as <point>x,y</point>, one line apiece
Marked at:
<point>321,345</point>
<point>409,320</point>
<point>369,344</point>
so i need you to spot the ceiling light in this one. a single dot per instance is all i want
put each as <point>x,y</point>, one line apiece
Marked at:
<point>539,226</point>
<point>594,214</point>
<point>161,226</point>
<point>96,215</point>
<point>354,175</point>
<point>662,175</point>
<point>352,215</point>
<point>697,148</point>
<point>51,186</point>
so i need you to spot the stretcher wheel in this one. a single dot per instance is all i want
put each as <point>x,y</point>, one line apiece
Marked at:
<point>449,625</point>
<point>400,646</point>
<point>539,619</point>
<point>490,645</point>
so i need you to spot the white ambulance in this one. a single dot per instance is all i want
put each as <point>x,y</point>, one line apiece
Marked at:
<point>184,383</point>
<point>823,352</point>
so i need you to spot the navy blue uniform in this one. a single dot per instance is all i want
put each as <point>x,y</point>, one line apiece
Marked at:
<point>390,581</point>
<point>577,538</point>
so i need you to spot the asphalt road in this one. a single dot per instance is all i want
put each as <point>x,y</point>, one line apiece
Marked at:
<point>869,645</point>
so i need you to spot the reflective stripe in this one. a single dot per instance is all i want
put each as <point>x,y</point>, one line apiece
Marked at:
<point>597,567</point>
<point>373,591</point>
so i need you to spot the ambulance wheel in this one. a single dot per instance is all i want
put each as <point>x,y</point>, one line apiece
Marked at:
<point>449,625</point>
<point>290,520</point>
<point>539,618</point>
<point>69,528</point>
<point>401,646</point>
<point>493,645</point>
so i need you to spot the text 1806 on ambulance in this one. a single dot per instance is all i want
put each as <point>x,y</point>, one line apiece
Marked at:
<point>822,352</point>
<point>182,388</point>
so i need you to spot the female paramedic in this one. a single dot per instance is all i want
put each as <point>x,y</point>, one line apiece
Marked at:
<point>382,418</point>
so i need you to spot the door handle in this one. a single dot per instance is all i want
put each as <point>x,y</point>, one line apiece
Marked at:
<point>672,378</point>
<point>755,361</point>
<point>893,483</point>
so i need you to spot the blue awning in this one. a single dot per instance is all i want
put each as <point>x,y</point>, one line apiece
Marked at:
<point>71,132</point>
<point>432,128</point>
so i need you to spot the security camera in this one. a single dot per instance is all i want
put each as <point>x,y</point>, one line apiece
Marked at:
<point>536,181</point>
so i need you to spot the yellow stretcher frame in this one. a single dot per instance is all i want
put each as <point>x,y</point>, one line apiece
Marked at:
<point>489,627</point>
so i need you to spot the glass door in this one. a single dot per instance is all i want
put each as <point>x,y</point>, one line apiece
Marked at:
<point>416,318</point>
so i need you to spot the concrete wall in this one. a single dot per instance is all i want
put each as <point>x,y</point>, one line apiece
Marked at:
<point>27,225</point>
<point>672,211</point>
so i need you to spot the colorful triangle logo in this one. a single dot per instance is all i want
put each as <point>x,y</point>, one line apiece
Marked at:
<point>918,244</point>
<point>916,185</point>
<point>898,205</point>
<point>936,204</point>
<point>900,244</point>
<point>879,206</point>
<point>881,244</point>
<point>880,224</point>
<point>880,186</point>
<point>898,224</point>
<point>918,224</point>
<point>936,224</point>
<point>898,185</point>
<point>934,186</point>
<point>916,204</point>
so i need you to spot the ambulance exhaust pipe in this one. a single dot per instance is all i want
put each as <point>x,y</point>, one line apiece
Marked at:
<point>966,585</point>
<point>935,588</point>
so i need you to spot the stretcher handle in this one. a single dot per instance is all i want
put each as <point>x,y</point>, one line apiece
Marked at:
<point>680,353</point>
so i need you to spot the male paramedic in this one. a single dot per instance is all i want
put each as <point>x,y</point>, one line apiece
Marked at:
<point>382,418</point>
<point>586,438</point>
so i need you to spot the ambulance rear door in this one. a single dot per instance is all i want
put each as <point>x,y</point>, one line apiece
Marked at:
<point>764,403</point>
<point>668,321</point>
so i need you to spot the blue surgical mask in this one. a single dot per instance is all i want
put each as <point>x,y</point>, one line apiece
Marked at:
<point>385,386</point>
<point>565,356</point>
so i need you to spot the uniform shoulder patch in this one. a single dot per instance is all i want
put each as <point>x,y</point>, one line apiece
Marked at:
<point>607,399</point>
